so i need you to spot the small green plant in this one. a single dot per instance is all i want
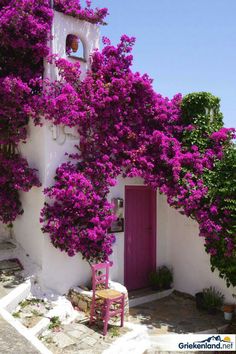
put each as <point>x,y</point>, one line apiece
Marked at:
<point>36,313</point>
<point>212,299</point>
<point>55,322</point>
<point>46,339</point>
<point>16,314</point>
<point>161,279</point>
<point>28,302</point>
<point>114,331</point>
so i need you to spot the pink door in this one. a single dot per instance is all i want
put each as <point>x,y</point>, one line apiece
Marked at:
<point>140,235</point>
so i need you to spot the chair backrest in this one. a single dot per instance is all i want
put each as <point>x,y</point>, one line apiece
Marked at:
<point>100,273</point>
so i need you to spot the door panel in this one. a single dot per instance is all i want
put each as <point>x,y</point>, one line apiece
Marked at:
<point>140,235</point>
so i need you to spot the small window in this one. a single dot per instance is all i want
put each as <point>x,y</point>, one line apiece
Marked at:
<point>75,47</point>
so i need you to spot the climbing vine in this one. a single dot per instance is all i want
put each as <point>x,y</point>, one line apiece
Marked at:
<point>75,9</point>
<point>126,128</point>
<point>24,31</point>
<point>218,221</point>
<point>178,145</point>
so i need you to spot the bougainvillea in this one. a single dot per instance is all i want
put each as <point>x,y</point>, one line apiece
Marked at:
<point>126,128</point>
<point>178,146</point>
<point>74,8</point>
<point>15,176</point>
<point>25,27</point>
<point>24,31</point>
<point>80,216</point>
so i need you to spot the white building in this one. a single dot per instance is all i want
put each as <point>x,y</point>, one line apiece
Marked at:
<point>154,234</point>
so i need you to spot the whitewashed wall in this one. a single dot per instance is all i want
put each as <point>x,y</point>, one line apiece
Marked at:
<point>64,25</point>
<point>27,230</point>
<point>45,150</point>
<point>59,271</point>
<point>179,245</point>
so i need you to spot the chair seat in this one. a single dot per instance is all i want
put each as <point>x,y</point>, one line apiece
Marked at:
<point>108,294</point>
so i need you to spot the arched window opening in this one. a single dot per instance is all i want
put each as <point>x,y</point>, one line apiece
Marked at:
<point>75,47</point>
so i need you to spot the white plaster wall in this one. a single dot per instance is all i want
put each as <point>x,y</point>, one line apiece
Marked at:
<point>163,247</point>
<point>64,25</point>
<point>59,271</point>
<point>27,230</point>
<point>45,150</point>
<point>180,246</point>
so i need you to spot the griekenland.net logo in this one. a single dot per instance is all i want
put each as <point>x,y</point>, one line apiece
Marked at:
<point>215,342</point>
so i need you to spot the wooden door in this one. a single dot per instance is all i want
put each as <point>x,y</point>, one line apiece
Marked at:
<point>140,235</point>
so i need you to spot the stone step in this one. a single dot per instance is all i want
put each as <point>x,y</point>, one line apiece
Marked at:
<point>139,297</point>
<point>6,245</point>
<point>10,265</point>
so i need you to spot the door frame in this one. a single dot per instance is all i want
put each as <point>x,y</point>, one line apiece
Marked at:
<point>153,254</point>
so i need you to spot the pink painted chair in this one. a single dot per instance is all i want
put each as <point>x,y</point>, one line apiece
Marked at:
<point>113,302</point>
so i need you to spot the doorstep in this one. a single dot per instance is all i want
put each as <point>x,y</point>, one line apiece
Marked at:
<point>142,296</point>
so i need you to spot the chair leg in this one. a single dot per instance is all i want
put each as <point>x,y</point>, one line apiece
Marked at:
<point>106,318</point>
<point>123,311</point>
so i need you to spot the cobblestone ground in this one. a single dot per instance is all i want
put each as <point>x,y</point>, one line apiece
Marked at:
<point>176,313</point>
<point>11,342</point>
<point>78,337</point>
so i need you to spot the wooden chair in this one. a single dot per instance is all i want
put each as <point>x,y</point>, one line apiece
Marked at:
<point>113,302</point>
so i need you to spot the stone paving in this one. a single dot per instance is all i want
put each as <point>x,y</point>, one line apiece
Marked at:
<point>78,337</point>
<point>175,313</point>
<point>11,342</point>
<point>31,311</point>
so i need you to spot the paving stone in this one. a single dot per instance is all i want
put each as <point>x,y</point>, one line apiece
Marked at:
<point>87,351</point>
<point>175,313</point>
<point>76,334</point>
<point>11,342</point>
<point>89,340</point>
<point>86,330</point>
<point>6,245</point>
<point>62,340</point>
<point>76,326</point>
